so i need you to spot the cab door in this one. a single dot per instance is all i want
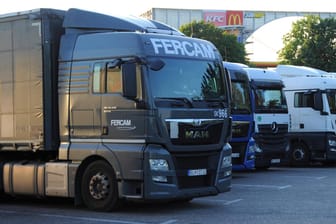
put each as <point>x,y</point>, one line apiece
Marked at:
<point>308,114</point>
<point>121,120</point>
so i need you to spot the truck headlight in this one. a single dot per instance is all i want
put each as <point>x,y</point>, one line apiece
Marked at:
<point>159,165</point>
<point>332,142</point>
<point>252,148</point>
<point>257,149</point>
<point>226,162</point>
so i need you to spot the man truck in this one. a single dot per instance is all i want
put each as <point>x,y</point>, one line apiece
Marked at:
<point>105,109</point>
<point>311,97</point>
<point>260,118</point>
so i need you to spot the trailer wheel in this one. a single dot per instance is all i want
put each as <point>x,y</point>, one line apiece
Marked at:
<point>299,154</point>
<point>99,187</point>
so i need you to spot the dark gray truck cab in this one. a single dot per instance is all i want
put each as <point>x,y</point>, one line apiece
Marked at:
<point>129,109</point>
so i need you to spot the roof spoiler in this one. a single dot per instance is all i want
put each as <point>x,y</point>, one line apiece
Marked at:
<point>85,20</point>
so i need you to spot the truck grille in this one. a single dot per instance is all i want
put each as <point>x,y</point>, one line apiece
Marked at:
<point>238,147</point>
<point>240,129</point>
<point>270,139</point>
<point>187,133</point>
<point>186,161</point>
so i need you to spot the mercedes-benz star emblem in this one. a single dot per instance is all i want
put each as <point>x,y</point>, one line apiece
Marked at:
<point>274,127</point>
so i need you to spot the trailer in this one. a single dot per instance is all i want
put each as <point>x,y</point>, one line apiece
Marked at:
<point>104,109</point>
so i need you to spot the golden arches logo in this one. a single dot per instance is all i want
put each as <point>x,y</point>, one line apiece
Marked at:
<point>234,20</point>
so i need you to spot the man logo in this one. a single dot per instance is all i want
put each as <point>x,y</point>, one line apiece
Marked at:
<point>234,18</point>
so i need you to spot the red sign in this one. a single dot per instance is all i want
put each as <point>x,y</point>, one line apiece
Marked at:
<point>234,18</point>
<point>217,18</point>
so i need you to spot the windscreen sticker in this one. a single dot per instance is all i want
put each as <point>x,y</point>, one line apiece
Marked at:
<point>221,113</point>
<point>182,48</point>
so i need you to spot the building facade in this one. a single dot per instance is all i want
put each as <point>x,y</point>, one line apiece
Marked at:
<point>241,23</point>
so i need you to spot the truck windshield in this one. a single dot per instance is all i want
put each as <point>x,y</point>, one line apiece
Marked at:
<point>241,103</point>
<point>270,100</point>
<point>331,95</point>
<point>191,80</point>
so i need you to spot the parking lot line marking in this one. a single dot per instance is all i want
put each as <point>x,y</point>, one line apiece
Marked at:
<point>91,219</point>
<point>307,177</point>
<point>233,201</point>
<point>75,217</point>
<point>263,186</point>
<point>169,221</point>
<point>225,202</point>
<point>284,187</point>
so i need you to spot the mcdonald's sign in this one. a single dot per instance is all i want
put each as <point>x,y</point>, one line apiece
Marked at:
<point>234,18</point>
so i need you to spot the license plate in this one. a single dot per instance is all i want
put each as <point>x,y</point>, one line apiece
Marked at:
<point>235,155</point>
<point>197,172</point>
<point>275,161</point>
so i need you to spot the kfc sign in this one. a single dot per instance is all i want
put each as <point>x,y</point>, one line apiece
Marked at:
<point>217,18</point>
<point>224,18</point>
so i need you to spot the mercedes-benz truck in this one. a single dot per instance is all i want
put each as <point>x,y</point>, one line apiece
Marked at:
<point>260,117</point>
<point>311,97</point>
<point>270,117</point>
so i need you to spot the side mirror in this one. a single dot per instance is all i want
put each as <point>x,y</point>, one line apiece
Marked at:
<point>129,80</point>
<point>318,103</point>
<point>228,78</point>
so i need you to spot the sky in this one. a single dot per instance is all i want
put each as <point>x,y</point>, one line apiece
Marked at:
<point>136,7</point>
<point>266,43</point>
<point>272,41</point>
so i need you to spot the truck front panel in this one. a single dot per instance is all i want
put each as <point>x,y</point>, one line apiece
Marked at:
<point>178,120</point>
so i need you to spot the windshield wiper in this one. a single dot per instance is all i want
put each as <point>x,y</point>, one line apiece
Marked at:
<point>241,110</point>
<point>212,102</point>
<point>179,100</point>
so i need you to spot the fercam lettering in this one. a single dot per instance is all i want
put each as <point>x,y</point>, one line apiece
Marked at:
<point>117,123</point>
<point>183,48</point>
<point>123,125</point>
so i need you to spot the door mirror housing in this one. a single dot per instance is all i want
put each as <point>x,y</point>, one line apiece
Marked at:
<point>156,64</point>
<point>129,80</point>
<point>318,103</point>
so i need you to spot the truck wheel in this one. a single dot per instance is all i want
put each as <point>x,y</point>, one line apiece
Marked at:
<point>299,155</point>
<point>99,187</point>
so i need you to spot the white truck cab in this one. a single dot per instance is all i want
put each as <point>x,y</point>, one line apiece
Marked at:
<point>270,117</point>
<point>311,98</point>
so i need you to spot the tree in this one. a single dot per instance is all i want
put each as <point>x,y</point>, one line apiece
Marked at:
<point>311,42</point>
<point>227,44</point>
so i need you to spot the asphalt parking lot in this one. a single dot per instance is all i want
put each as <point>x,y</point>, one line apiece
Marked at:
<point>278,195</point>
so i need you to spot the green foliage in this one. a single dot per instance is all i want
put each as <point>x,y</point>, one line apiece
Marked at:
<point>227,44</point>
<point>311,42</point>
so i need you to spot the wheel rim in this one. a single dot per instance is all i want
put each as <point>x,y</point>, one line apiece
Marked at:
<point>99,186</point>
<point>298,154</point>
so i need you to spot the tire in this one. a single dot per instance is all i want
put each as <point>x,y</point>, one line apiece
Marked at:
<point>299,155</point>
<point>99,188</point>
<point>262,168</point>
